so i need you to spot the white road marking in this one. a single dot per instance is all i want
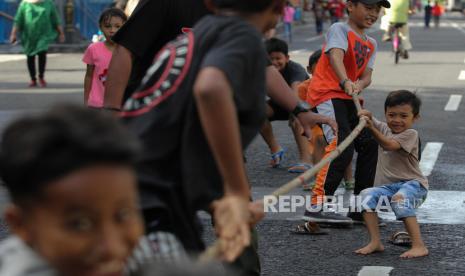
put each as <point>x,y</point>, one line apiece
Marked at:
<point>453,103</point>
<point>440,207</point>
<point>462,75</point>
<point>8,58</point>
<point>457,26</point>
<point>429,157</point>
<point>375,270</point>
<point>313,38</point>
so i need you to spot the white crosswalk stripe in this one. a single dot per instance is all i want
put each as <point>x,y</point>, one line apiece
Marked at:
<point>453,103</point>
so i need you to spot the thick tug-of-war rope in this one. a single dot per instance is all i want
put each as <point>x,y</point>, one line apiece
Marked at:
<point>214,250</point>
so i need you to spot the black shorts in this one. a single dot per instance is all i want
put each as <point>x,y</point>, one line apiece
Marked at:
<point>279,113</point>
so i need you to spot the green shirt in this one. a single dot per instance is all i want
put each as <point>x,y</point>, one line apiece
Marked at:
<point>37,24</point>
<point>398,13</point>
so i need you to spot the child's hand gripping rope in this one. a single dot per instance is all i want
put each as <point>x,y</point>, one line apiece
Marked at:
<point>217,248</point>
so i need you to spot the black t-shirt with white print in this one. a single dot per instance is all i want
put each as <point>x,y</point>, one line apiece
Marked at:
<point>177,173</point>
<point>153,24</point>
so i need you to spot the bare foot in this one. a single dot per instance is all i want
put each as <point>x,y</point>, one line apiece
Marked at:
<point>415,252</point>
<point>370,248</point>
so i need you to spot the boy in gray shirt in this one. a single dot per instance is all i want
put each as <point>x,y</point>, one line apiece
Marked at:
<point>399,179</point>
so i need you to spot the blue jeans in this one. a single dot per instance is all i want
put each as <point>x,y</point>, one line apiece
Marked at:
<point>412,192</point>
<point>288,31</point>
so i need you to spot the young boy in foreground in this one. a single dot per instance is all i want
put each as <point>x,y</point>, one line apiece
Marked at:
<point>398,169</point>
<point>74,204</point>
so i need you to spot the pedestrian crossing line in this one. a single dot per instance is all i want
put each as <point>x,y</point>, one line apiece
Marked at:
<point>375,270</point>
<point>445,24</point>
<point>462,75</point>
<point>429,157</point>
<point>457,26</point>
<point>453,103</point>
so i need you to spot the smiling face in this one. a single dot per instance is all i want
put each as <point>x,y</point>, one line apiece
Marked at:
<point>400,117</point>
<point>111,26</point>
<point>86,223</point>
<point>363,16</point>
<point>279,60</point>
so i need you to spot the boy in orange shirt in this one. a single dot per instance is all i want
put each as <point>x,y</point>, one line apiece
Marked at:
<point>344,69</point>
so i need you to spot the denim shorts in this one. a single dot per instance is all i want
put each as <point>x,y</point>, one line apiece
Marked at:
<point>380,198</point>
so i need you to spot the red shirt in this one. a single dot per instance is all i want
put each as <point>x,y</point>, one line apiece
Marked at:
<point>360,53</point>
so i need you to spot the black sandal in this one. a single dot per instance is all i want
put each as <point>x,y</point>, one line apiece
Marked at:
<point>308,228</point>
<point>401,239</point>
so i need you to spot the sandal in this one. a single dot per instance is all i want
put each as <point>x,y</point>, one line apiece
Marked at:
<point>277,158</point>
<point>401,238</point>
<point>299,168</point>
<point>308,228</point>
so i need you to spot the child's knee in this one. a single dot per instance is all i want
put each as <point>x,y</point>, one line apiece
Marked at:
<point>369,199</point>
<point>403,206</point>
<point>397,198</point>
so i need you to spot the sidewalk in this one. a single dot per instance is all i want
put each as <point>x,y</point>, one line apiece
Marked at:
<point>54,48</point>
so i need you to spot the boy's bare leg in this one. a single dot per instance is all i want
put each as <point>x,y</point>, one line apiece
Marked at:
<point>418,247</point>
<point>302,142</point>
<point>375,245</point>
<point>267,133</point>
<point>319,149</point>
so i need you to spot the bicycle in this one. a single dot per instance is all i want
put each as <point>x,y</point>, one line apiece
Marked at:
<point>397,42</point>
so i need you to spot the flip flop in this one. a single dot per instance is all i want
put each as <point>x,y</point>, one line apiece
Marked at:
<point>299,168</point>
<point>401,238</point>
<point>308,228</point>
<point>277,158</point>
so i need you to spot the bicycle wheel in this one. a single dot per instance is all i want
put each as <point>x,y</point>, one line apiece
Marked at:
<point>396,46</point>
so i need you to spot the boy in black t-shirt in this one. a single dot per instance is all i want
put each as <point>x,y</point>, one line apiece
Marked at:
<point>293,73</point>
<point>150,27</point>
<point>200,106</point>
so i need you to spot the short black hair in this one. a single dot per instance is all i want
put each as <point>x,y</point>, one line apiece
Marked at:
<point>314,58</point>
<point>276,45</point>
<point>401,97</point>
<point>36,150</point>
<point>111,12</point>
<point>248,6</point>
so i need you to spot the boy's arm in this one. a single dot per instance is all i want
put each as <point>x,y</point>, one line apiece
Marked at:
<point>278,90</point>
<point>214,98</point>
<point>336,58</point>
<point>119,72</point>
<point>364,81</point>
<point>383,141</point>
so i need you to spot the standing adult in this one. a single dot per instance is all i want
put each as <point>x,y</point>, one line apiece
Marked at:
<point>437,12</point>
<point>428,10</point>
<point>319,10</point>
<point>38,24</point>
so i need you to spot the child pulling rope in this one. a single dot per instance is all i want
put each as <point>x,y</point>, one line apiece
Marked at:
<point>214,250</point>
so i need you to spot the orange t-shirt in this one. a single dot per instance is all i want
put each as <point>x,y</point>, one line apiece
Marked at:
<point>360,53</point>
<point>303,89</point>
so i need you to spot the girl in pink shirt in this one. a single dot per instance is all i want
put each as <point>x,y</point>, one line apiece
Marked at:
<point>98,56</point>
<point>288,18</point>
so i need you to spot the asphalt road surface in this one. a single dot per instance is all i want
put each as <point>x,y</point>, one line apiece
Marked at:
<point>435,70</point>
